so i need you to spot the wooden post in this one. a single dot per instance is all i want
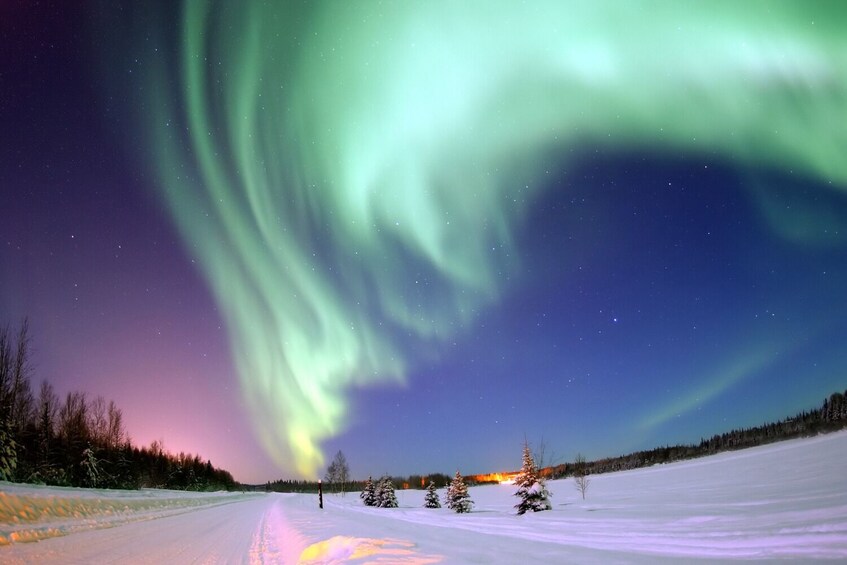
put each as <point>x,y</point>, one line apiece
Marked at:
<point>320,494</point>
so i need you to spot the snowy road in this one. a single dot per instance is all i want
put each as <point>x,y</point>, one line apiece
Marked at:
<point>783,501</point>
<point>274,528</point>
<point>223,533</point>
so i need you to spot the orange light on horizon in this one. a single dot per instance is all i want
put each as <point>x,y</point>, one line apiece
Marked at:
<point>502,478</point>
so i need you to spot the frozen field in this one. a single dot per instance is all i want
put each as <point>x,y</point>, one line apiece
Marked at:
<point>783,501</point>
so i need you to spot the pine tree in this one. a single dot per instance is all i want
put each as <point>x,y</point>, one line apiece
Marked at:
<point>431,500</point>
<point>385,497</point>
<point>458,498</point>
<point>531,486</point>
<point>368,495</point>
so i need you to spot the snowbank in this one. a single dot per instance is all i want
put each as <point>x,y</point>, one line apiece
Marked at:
<point>31,512</point>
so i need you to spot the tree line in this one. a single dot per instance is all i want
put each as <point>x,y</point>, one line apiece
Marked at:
<point>400,483</point>
<point>350,485</point>
<point>831,416</point>
<point>80,441</point>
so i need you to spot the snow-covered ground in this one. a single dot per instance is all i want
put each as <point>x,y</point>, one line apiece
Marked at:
<point>786,500</point>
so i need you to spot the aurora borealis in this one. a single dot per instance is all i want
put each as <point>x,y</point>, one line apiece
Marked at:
<point>613,225</point>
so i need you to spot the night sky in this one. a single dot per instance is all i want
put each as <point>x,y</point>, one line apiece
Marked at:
<point>422,232</point>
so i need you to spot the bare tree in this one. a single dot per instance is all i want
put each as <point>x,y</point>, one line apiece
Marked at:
<point>539,454</point>
<point>16,403</point>
<point>338,473</point>
<point>73,420</point>
<point>545,459</point>
<point>580,474</point>
<point>97,424</point>
<point>22,407</point>
<point>47,412</point>
<point>116,433</point>
<point>343,471</point>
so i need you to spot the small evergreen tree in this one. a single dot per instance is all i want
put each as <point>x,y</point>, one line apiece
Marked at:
<point>385,496</point>
<point>458,498</point>
<point>368,495</point>
<point>431,500</point>
<point>532,489</point>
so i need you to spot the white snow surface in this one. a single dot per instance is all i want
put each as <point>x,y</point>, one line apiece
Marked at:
<point>782,501</point>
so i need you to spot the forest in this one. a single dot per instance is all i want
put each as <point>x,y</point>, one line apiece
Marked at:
<point>80,441</point>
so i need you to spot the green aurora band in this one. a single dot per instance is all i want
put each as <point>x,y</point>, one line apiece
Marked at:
<point>350,174</point>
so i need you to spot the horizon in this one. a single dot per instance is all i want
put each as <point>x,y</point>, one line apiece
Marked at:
<point>428,233</point>
<point>551,465</point>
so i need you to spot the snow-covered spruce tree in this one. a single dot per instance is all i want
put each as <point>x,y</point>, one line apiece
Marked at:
<point>458,498</point>
<point>379,492</point>
<point>385,493</point>
<point>431,500</point>
<point>532,489</point>
<point>368,495</point>
<point>448,495</point>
